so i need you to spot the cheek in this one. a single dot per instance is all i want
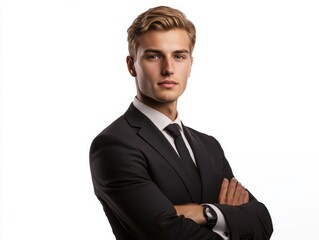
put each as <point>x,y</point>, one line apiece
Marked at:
<point>143,81</point>
<point>144,70</point>
<point>186,71</point>
<point>184,85</point>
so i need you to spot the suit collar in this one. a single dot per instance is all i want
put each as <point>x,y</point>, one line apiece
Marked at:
<point>159,119</point>
<point>154,137</point>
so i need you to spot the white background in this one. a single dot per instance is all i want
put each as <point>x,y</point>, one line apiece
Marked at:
<point>254,86</point>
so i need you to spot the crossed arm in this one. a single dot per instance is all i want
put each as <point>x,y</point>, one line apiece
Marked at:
<point>127,193</point>
<point>232,193</point>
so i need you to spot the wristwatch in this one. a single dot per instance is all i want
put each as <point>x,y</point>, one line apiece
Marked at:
<point>210,215</point>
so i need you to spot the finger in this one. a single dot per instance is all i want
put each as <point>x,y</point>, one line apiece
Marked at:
<point>231,191</point>
<point>223,191</point>
<point>246,197</point>
<point>239,191</point>
<point>242,196</point>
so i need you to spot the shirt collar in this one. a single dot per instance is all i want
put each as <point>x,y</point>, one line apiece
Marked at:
<point>159,119</point>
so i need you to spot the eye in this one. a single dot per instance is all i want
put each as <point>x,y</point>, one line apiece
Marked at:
<point>153,57</point>
<point>180,57</point>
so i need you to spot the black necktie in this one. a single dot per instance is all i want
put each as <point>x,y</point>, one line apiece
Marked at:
<point>188,164</point>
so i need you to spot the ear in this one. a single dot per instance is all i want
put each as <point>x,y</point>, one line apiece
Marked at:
<point>130,65</point>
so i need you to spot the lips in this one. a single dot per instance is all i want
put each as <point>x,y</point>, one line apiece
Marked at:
<point>167,83</point>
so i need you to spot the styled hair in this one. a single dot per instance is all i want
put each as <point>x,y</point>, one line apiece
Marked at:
<point>160,18</point>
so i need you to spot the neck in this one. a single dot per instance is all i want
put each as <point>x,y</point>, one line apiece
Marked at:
<point>169,109</point>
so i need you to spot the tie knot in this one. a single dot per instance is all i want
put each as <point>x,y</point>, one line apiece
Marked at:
<point>173,130</point>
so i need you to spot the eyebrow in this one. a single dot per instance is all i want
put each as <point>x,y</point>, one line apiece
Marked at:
<point>159,51</point>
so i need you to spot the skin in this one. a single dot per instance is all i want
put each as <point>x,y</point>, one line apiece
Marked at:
<point>161,68</point>
<point>162,57</point>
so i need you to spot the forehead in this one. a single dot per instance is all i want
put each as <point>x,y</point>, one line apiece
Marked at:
<point>166,41</point>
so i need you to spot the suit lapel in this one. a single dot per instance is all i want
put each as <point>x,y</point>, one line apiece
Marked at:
<point>153,136</point>
<point>204,165</point>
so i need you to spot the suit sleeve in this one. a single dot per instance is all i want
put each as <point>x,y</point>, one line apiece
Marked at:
<point>248,221</point>
<point>123,184</point>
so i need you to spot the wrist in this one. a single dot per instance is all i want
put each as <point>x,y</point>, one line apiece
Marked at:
<point>192,211</point>
<point>201,217</point>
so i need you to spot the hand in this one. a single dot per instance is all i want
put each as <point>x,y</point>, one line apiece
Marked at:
<point>233,193</point>
<point>192,211</point>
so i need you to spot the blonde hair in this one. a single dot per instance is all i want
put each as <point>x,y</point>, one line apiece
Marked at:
<point>160,18</point>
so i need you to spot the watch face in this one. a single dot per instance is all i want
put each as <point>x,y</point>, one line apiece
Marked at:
<point>210,216</point>
<point>208,213</point>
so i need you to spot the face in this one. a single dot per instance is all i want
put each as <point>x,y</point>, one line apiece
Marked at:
<point>162,66</point>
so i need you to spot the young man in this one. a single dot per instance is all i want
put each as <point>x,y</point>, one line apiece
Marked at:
<point>155,182</point>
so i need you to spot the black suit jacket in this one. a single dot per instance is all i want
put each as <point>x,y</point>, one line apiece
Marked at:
<point>137,178</point>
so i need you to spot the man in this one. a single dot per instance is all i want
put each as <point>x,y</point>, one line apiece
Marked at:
<point>156,182</point>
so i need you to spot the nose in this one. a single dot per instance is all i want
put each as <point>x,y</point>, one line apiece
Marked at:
<point>167,67</point>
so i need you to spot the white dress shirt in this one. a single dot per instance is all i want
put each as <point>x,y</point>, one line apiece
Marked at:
<point>161,121</point>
